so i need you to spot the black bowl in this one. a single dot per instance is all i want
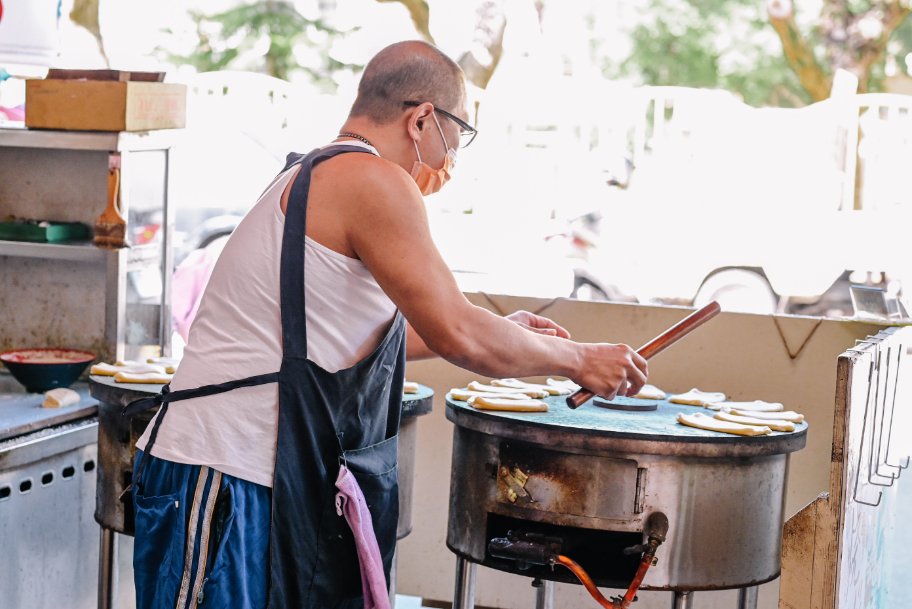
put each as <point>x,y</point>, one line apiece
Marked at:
<point>42,369</point>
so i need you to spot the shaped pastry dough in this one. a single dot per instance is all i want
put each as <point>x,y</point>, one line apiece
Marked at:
<point>164,361</point>
<point>483,403</point>
<point>466,394</point>
<point>695,397</point>
<point>563,384</point>
<point>150,378</point>
<point>410,387</point>
<point>170,364</point>
<point>109,370</point>
<point>520,385</point>
<point>774,424</point>
<point>60,397</point>
<point>529,391</point>
<point>650,392</point>
<point>701,421</point>
<point>785,415</point>
<point>755,406</point>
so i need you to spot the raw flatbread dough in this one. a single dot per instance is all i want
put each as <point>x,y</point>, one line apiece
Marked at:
<point>695,397</point>
<point>518,384</point>
<point>755,406</point>
<point>563,383</point>
<point>483,403</point>
<point>170,364</point>
<point>650,392</point>
<point>701,421</point>
<point>131,368</point>
<point>774,424</point>
<point>466,394</point>
<point>410,387</point>
<point>530,391</point>
<point>785,415</point>
<point>60,397</point>
<point>150,378</point>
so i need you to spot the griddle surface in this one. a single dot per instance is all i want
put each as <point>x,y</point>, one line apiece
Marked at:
<point>659,424</point>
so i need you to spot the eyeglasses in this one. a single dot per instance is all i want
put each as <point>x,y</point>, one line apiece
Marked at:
<point>467,132</point>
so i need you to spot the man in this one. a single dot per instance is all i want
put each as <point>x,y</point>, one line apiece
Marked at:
<point>292,378</point>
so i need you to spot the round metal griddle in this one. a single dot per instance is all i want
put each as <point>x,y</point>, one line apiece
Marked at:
<point>592,427</point>
<point>587,480</point>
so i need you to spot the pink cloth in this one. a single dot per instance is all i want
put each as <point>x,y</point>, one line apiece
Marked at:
<point>187,286</point>
<point>350,503</point>
<point>14,113</point>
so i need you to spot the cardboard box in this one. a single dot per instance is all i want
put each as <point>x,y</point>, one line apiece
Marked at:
<point>97,105</point>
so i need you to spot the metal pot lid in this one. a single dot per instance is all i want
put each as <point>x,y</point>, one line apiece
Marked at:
<point>592,428</point>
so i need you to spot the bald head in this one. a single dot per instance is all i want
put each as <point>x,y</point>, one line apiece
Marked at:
<point>408,71</point>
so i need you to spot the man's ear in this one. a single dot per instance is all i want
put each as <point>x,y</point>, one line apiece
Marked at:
<point>417,118</point>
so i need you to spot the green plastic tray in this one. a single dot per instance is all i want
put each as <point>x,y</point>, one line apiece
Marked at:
<point>46,232</point>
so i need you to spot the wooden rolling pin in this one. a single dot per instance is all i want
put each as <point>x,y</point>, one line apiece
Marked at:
<point>659,344</point>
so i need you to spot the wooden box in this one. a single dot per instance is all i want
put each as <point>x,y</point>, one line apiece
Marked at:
<point>104,100</point>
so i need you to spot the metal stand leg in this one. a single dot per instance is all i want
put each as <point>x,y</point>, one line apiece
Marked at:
<point>682,600</point>
<point>107,570</point>
<point>544,594</point>
<point>464,596</point>
<point>747,597</point>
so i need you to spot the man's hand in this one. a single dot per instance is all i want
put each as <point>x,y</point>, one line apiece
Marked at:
<point>538,324</point>
<point>609,370</point>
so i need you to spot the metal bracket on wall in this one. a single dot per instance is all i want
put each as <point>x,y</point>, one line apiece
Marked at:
<point>880,407</point>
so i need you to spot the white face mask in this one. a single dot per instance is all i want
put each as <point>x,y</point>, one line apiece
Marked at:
<point>431,180</point>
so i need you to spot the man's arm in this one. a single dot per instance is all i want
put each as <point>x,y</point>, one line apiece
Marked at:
<point>415,348</point>
<point>388,229</point>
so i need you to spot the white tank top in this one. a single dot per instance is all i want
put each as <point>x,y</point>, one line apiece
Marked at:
<point>237,333</point>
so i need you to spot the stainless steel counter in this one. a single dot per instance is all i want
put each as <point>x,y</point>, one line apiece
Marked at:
<point>48,462</point>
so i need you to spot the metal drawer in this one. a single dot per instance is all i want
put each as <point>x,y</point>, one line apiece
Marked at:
<point>48,534</point>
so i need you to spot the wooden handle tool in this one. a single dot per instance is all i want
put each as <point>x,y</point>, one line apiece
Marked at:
<point>110,227</point>
<point>659,344</point>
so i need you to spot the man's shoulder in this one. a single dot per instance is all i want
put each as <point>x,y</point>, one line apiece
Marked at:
<point>369,175</point>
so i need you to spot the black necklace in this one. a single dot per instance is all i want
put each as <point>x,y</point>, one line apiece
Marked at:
<point>357,137</point>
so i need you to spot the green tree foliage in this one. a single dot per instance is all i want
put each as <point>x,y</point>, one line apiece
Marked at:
<point>725,44</point>
<point>230,40</point>
<point>733,44</point>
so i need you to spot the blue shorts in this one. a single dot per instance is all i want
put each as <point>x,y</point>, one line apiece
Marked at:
<point>202,538</point>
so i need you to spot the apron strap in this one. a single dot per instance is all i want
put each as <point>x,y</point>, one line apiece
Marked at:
<point>294,326</point>
<point>166,396</point>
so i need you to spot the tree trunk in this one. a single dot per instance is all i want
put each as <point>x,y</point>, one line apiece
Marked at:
<point>798,53</point>
<point>85,15</point>
<point>490,25</point>
<point>420,14</point>
<point>853,40</point>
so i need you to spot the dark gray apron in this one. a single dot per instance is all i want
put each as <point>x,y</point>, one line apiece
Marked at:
<point>325,419</point>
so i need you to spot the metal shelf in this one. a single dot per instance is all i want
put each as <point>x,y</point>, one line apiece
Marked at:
<point>18,137</point>
<point>82,251</point>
